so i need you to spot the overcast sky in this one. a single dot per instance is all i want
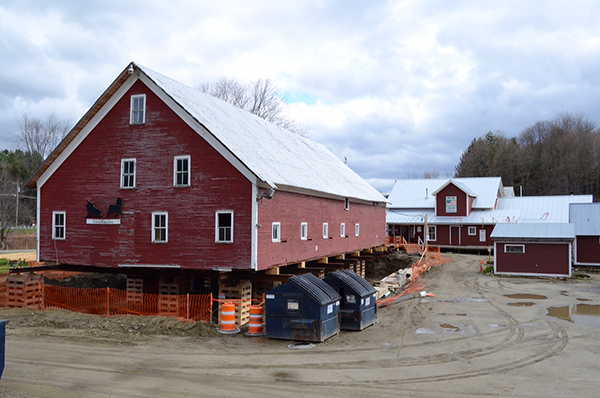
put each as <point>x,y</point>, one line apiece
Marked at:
<point>397,87</point>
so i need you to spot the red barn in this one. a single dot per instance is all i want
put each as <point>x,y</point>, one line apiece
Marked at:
<point>586,219</point>
<point>159,176</point>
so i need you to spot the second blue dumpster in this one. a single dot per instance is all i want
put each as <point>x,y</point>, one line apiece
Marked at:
<point>303,309</point>
<point>358,299</point>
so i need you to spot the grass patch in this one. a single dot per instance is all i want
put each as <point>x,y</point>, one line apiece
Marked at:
<point>578,275</point>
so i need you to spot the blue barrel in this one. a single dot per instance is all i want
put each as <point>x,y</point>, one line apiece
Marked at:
<point>3,323</point>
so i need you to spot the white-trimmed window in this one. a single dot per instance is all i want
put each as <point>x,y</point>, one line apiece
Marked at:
<point>482,235</point>
<point>347,204</point>
<point>431,232</point>
<point>128,173</point>
<point>160,227</point>
<point>138,109</point>
<point>520,249</point>
<point>224,226</point>
<point>304,231</point>
<point>59,225</point>
<point>472,231</point>
<point>356,229</point>
<point>325,230</point>
<point>343,230</point>
<point>276,232</point>
<point>181,171</point>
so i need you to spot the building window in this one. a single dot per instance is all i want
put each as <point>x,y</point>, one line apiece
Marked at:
<point>128,173</point>
<point>304,231</point>
<point>160,227</point>
<point>514,248</point>
<point>182,171</point>
<point>356,229</point>
<point>325,230</point>
<point>343,230</point>
<point>138,109</point>
<point>482,235</point>
<point>224,227</point>
<point>431,230</point>
<point>276,232</point>
<point>347,204</point>
<point>451,206</point>
<point>59,225</point>
<point>472,231</point>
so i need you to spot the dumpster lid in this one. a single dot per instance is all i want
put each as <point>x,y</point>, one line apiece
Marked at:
<point>356,282</point>
<point>316,288</point>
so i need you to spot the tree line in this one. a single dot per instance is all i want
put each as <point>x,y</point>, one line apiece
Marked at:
<point>560,156</point>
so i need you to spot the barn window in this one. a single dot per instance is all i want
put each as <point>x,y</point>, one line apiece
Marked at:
<point>59,225</point>
<point>347,204</point>
<point>138,109</point>
<point>431,230</point>
<point>325,230</point>
<point>472,230</point>
<point>304,231</point>
<point>160,227</point>
<point>224,227</point>
<point>128,173</point>
<point>276,232</point>
<point>451,206</point>
<point>514,248</point>
<point>357,229</point>
<point>482,235</point>
<point>343,230</point>
<point>182,171</point>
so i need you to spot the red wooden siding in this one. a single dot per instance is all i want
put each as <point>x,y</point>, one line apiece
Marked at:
<point>92,172</point>
<point>444,237</point>
<point>539,258</point>
<point>293,209</point>
<point>461,201</point>
<point>588,249</point>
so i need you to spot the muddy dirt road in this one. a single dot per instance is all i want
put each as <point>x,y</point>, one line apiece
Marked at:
<point>470,340</point>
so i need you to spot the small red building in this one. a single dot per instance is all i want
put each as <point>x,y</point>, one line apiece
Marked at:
<point>537,249</point>
<point>586,219</point>
<point>157,175</point>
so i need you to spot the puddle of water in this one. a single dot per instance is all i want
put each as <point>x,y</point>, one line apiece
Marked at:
<point>564,293</point>
<point>521,304</point>
<point>445,314</point>
<point>526,296</point>
<point>450,327</point>
<point>580,314</point>
<point>424,331</point>
<point>580,299</point>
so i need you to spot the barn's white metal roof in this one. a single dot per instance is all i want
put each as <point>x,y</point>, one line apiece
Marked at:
<point>419,194</point>
<point>542,209</point>
<point>483,217</point>
<point>533,231</point>
<point>586,218</point>
<point>275,155</point>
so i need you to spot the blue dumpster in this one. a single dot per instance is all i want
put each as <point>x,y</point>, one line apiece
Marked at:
<point>358,308</point>
<point>303,309</point>
<point>3,323</point>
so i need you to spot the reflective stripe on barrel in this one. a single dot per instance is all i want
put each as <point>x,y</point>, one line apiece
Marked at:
<point>255,325</point>
<point>228,317</point>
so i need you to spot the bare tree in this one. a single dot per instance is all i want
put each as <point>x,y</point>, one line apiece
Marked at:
<point>259,97</point>
<point>39,137</point>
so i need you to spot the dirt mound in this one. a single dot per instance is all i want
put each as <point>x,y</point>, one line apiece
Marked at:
<point>124,325</point>
<point>91,281</point>
<point>386,265</point>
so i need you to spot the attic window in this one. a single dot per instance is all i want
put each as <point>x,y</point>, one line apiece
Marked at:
<point>347,204</point>
<point>182,171</point>
<point>138,109</point>
<point>276,232</point>
<point>304,231</point>
<point>451,204</point>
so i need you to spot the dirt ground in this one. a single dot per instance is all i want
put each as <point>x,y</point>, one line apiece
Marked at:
<point>471,339</point>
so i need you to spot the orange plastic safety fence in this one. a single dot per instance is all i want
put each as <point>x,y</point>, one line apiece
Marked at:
<point>433,258</point>
<point>115,302</point>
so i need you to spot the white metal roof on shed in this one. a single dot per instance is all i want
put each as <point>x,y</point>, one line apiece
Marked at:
<point>542,209</point>
<point>586,218</point>
<point>418,193</point>
<point>533,231</point>
<point>483,217</point>
<point>275,155</point>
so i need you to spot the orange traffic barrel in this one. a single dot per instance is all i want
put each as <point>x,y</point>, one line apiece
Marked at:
<point>228,319</point>
<point>255,324</point>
